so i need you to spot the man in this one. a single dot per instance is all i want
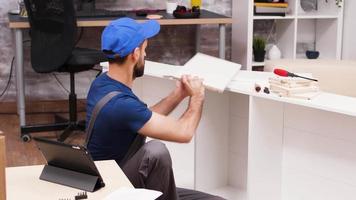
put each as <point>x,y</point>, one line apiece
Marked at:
<point>125,117</point>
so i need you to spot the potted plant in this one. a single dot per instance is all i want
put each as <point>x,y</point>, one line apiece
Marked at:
<point>259,52</point>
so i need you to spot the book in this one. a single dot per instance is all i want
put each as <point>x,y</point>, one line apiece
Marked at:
<point>270,10</point>
<point>279,5</point>
<point>215,72</point>
<point>270,14</point>
<point>265,11</point>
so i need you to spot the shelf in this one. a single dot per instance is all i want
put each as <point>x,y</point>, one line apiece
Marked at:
<point>320,29</point>
<point>230,192</point>
<point>317,16</point>
<point>273,17</point>
<point>304,16</point>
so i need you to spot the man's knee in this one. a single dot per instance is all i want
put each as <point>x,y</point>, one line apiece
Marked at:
<point>158,152</point>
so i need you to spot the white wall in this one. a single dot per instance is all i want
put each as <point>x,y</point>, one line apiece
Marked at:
<point>349,40</point>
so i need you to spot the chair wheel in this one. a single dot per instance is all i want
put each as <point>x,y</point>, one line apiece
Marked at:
<point>26,138</point>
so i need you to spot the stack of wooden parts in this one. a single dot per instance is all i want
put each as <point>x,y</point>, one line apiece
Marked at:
<point>294,87</point>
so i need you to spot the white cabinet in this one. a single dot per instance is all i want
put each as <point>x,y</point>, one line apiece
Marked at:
<point>254,146</point>
<point>295,33</point>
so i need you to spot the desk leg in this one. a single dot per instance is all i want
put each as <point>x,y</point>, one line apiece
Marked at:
<point>20,86</point>
<point>197,38</point>
<point>222,40</point>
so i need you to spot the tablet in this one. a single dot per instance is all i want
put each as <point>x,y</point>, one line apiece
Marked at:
<point>72,160</point>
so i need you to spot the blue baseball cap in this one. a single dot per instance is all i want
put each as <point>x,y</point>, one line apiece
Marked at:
<point>123,35</point>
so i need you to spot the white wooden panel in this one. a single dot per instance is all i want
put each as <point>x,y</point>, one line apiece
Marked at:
<point>292,6</point>
<point>327,38</point>
<point>319,160</point>
<point>183,163</point>
<point>239,104</point>
<point>153,90</point>
<point>305,186</point>
<point>321,156</point>
<point>237,171</point>
<point>349,32</point>
<point>306,31</point>
<point>238,140</point>
<point>238,135</point>
<point>242,30</point>
<point>137,87</point>
<point>265,149</point>
<point>230,193</point>
<point>156,88</point>
<point>329,8</point>
<point>212,143</point>
<point>286,34</point>
<point>327,124</point>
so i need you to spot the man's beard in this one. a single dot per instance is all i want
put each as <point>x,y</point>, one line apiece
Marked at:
<point>139,69</point>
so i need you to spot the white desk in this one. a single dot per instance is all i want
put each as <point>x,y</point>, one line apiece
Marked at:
<point>256,146</point>
<point>24,183</point>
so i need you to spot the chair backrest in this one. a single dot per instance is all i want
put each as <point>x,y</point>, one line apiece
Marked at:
<point>2,168</point>
<point>53,33</point>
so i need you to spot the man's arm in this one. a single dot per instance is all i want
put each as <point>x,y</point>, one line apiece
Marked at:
<point>183,129</point>
<point>168,104</point>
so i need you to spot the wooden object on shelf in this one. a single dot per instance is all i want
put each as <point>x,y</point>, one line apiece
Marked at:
<point>271,9</point>
<point>2,167</point>
<point>278,5</point>
<point>294,87</point>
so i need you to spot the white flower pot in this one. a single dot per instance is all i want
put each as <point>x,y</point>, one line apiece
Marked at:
<point>274,53</point>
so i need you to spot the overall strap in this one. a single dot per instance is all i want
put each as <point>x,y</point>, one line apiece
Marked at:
<point>139,141</point>
<point>95,113</point>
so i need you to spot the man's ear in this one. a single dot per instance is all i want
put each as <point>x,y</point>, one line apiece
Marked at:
<point>136,54</point>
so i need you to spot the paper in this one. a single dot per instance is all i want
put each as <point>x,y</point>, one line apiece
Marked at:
<point>133,194</point>
<point>215,72</point>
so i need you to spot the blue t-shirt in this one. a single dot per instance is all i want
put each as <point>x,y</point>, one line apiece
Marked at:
<point>118,121</point>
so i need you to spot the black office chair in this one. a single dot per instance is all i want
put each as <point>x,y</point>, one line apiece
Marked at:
<point>53,32</point>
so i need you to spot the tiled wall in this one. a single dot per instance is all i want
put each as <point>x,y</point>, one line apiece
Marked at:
<point>175,44</point>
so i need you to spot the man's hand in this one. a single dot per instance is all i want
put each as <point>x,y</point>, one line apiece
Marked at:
<point>180,90</point>
<point>182,130</point>
<point>193,86</point>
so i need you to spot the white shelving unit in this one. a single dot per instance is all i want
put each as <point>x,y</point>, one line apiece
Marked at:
<point>320,30</point>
